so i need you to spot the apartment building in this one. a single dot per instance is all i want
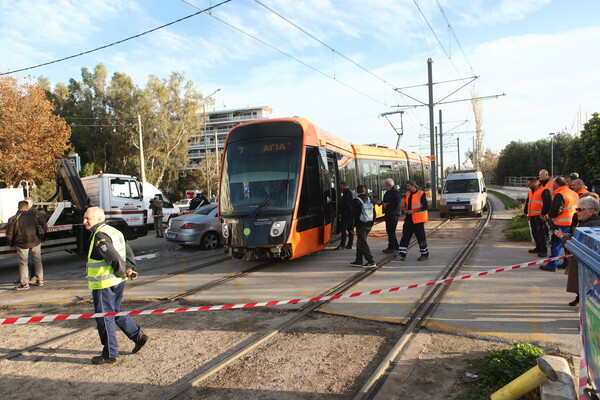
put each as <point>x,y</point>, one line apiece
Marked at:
<point>218,124</point>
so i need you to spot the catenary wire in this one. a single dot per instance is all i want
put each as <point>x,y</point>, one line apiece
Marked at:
<point>117,42</point>
<point>291,56</point>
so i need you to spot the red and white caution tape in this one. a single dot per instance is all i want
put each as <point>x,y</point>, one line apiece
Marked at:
<point>51,318</point>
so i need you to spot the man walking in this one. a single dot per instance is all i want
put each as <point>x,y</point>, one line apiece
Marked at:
<point>561,211</point>
<point>23,236</point>
<point>536,210</point>
<point>110,262</point>
<point>156,205</point>
<point>346,219</point>
<point>415,208</point>
<point>362,211</point>
<point>391,208</point>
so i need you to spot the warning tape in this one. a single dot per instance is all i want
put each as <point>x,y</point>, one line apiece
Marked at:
<point>51,318</point>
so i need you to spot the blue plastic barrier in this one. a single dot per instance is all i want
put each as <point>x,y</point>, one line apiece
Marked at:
<point>585,246</point>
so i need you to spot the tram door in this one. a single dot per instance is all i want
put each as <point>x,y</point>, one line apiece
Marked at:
<point>330,190</point>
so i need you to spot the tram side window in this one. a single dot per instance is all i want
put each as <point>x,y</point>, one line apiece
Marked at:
<point>368,177</point>
<point>385,172</point>
<point>427,177</point>
<point>400,172</point>
<point>416,173</point>
<point>310,209</point>
<point>348,174</point>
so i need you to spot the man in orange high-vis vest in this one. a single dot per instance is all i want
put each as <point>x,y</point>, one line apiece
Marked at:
<point>561,212</point>
<point>536,210</point>
<point>547,181</point>
<point>578,187</point>
<point>415,207</point>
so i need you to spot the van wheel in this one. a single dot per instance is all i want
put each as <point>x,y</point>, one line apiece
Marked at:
<point>443,215</point>
<point>478,214</point>
<point>210,241</point>
<point>485,206</point>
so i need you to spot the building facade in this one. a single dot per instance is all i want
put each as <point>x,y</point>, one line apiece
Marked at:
<point>218,125</point>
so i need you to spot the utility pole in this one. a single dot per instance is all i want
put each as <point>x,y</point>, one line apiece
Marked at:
<point>441,150</point>
<point>458,146</point>
<point>206,140</point>
<point>142,163</point>
<point>431,133</point>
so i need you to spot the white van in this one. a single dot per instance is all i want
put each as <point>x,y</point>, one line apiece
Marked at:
<point>464,192</point>
<point>170,210</point>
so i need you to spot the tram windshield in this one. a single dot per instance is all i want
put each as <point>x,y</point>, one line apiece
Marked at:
<point>260,176</point>
<point>462,186</point>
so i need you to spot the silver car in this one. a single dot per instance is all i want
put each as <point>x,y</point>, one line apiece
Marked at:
<point>198,228</point>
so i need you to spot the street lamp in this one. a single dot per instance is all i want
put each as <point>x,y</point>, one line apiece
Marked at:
<point>205,140</point>
<point>552,154</point>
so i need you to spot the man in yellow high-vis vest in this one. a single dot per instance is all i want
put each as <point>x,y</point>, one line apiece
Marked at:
<point>110,262</point>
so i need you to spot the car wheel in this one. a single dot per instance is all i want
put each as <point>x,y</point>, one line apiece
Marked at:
<point>209,241</point>
<point>443,215</point>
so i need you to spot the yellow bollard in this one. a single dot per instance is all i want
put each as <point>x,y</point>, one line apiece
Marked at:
<point>527,382</point>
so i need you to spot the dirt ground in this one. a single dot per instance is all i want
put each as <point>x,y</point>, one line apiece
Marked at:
<point>322,357</point>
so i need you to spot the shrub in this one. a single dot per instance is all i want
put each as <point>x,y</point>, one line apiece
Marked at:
<point>509,202</point>
<point>519,235</point>
<point>518,222</point>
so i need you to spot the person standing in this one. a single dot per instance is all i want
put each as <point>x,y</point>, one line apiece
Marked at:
<point>587,215</point>
<point>198,201</point>
<point>23,236</point>
<point>415,208</point>
<point>362,212</point>
<point>547,182</point>
<point>578,187</point>
<point>30,263</point>
<point>391,207</point>
<point>110,262</point>
<point>536,210</point>
<point>156,205</point>
<point>346,220</point>
<point>561,212</point>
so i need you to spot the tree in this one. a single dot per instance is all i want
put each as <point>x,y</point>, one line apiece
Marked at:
<point>31,137</point>
<point>477,155</point>
<point>583,153</point>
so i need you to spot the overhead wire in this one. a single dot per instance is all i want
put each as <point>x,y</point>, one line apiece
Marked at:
<point>119,41</point>
<point>332,77</point>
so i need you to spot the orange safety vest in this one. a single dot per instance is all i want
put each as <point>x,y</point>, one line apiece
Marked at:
<point>550,185</point>
<point>582,190</point>
<point>418,216</point>
<point>535,202</point>
<point>568,210</point>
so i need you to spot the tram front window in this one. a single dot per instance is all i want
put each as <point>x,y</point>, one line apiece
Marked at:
<point>260,176</point>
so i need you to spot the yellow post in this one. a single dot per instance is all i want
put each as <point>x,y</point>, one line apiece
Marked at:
<point>527,382</point>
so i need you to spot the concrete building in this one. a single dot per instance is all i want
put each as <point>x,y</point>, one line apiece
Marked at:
<point>218,124</point>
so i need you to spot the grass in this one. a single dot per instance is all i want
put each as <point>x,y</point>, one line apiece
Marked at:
<point>498,368</point>
<point>519,235</point>
<point>509,202</point>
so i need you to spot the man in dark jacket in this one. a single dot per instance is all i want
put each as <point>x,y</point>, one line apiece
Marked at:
<point>360,206</point>
<point>346,219</point>
<point>415,208</point>
<point>156,205</point>
<point>23,237</point>
<point>198,201</point>
<point>391,208</point>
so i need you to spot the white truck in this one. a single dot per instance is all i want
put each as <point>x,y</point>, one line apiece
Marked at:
<point>119,195</point>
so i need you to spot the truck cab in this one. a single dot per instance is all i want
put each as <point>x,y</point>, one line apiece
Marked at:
<point>121,198</point>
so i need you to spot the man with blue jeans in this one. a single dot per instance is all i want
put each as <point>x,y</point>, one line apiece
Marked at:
<point>110,263</point>
<point>561,212</point>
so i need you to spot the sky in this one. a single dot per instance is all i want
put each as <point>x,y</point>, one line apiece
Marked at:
<point>339,63</point>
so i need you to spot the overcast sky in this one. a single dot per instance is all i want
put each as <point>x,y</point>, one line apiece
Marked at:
<point>542,54</point>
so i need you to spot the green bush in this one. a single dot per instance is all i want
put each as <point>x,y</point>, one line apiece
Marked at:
<point>519,235</point>
<point>518,222</point>
<point>509,202</point>
<point>500,367</point>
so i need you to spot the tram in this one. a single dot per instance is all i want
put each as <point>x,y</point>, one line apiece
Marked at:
<point>279,189</point>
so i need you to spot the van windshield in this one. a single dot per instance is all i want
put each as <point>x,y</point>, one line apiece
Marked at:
<point>462,186</point>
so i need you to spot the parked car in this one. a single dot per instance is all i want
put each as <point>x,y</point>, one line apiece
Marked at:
<point>183,204</point>
<point>198,228</point>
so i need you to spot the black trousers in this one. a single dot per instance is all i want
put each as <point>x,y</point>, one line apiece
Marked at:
<point>347,231</point>
<point>539,231</point>
<point>408,229</point>
<point>391,223</point>
<point>362,247</point>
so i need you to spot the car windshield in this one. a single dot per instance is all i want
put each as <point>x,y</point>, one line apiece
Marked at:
<point>462,186</point>
<point>260,176</point>
<point>205,210</point>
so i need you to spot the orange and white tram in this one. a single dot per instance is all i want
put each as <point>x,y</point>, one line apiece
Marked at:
<point>279,189</point>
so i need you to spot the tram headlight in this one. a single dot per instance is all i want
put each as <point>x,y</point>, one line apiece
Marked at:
<point>277,228</point>
<point>225,230</point>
